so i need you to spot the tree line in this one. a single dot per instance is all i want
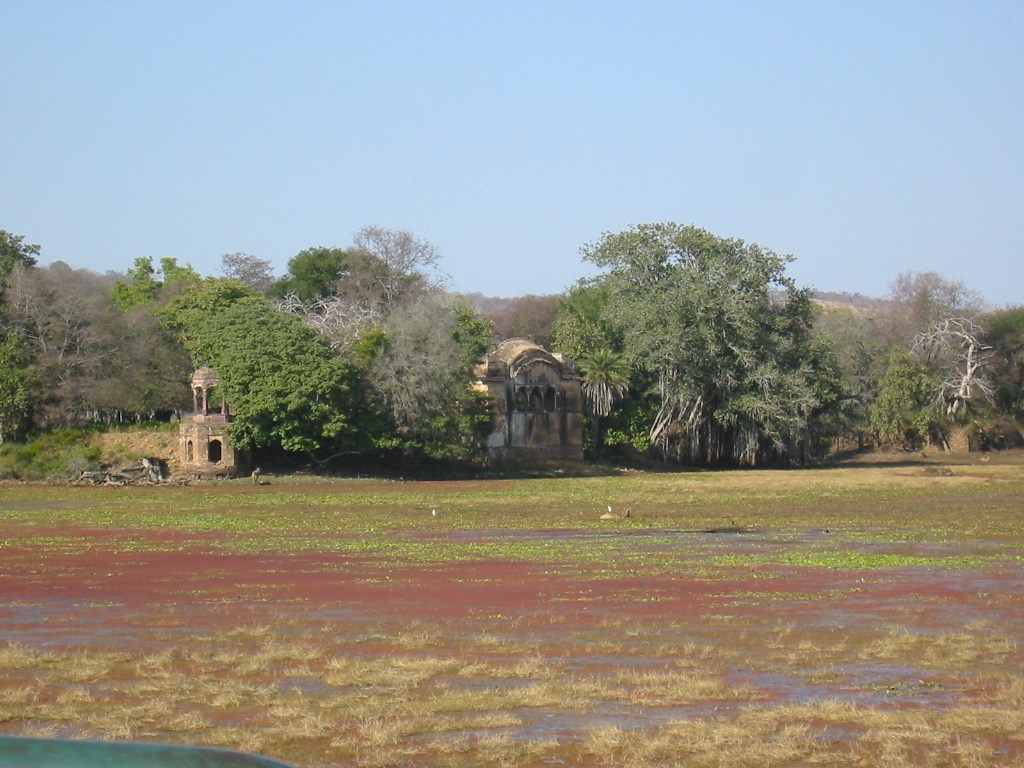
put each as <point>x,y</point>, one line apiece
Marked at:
<point>693,348</point>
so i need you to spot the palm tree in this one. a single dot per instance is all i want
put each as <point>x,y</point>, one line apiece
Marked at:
<point>605,378</point>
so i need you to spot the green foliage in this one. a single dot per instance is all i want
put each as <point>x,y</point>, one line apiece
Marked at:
<point>287,386</point>
<point>369,348</point>
<point>313,274</point>
<point>14,252</point>
<point>721,330</point>
<point>583,322</point>
<point>15,389</point>
<point>605,378</point>
<point>176,275</point>
<point>1006,336</point>
<point>905,410</point>
<point>474,333</point>
<point>142,288</point>
<point>454,433</point>
<point>856,342</point>
<point>56,455</point>
<point>190,308</point>
<point>139,289</point>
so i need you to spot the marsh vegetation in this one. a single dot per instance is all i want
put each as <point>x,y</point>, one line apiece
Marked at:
<point>865,615</point>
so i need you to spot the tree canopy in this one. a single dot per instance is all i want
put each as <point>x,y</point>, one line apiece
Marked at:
<point>286,385</point>
<point>694,346</point>
<point>724,332</point>
<point>313,274</point>
<point>14,252</point>
<point>904,411</point>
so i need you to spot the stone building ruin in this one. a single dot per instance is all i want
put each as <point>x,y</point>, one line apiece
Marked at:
<point>537,402</point>
<point>205,447</point>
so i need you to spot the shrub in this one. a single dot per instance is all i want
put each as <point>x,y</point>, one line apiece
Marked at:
<point>56,455</point>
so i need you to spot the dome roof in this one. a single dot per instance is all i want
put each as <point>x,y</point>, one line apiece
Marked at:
<point>518,351</point>
<point>205,377</point>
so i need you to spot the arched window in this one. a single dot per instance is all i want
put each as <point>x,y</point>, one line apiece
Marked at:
<point>549,400</point>
<point>190,452</point>
<point>520,404</point>
<point>536,400</point>
<point>214,451</point>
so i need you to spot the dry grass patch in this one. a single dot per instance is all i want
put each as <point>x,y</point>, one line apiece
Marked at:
<point>1007,690</point>
<point>973,646</point>
<point>395,673</point>
<point>16,656</point>
<point>418,636</point>
<point>677,687</point>
<point>273,653</point>
<point>24,694</point>
<point>729,744</point>
<point>535,668</point>
<point>505,750</point>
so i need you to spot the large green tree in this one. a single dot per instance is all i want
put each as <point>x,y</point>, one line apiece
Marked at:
<point>905,411</point>
<point>727,337</point>
<point>287,386</point>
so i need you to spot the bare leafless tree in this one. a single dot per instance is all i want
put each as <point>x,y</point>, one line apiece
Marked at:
<point>91,361</point>
<point>920,300</point>
<point>420,365</point>
<point>387,270</point>
<point>248,270</point>
<point>400,265</point>
<point>342,320</point>
<point>955,348</point>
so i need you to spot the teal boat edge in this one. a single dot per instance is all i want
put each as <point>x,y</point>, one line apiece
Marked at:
<point>28,752</point>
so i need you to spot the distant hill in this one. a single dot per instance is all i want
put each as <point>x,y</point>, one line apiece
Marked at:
<point>855,300</point>
<point>488,305</point>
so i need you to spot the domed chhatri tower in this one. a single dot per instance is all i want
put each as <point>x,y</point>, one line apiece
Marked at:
<point>537,402</point>
<point>205,447</point>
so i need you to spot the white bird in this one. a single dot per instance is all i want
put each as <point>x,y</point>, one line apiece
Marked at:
<point>433,512</point>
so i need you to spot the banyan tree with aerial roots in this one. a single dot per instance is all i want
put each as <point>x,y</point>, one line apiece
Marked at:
<point>725,336</point>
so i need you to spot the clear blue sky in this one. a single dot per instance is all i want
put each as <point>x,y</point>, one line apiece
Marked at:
<point>864,138</point>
